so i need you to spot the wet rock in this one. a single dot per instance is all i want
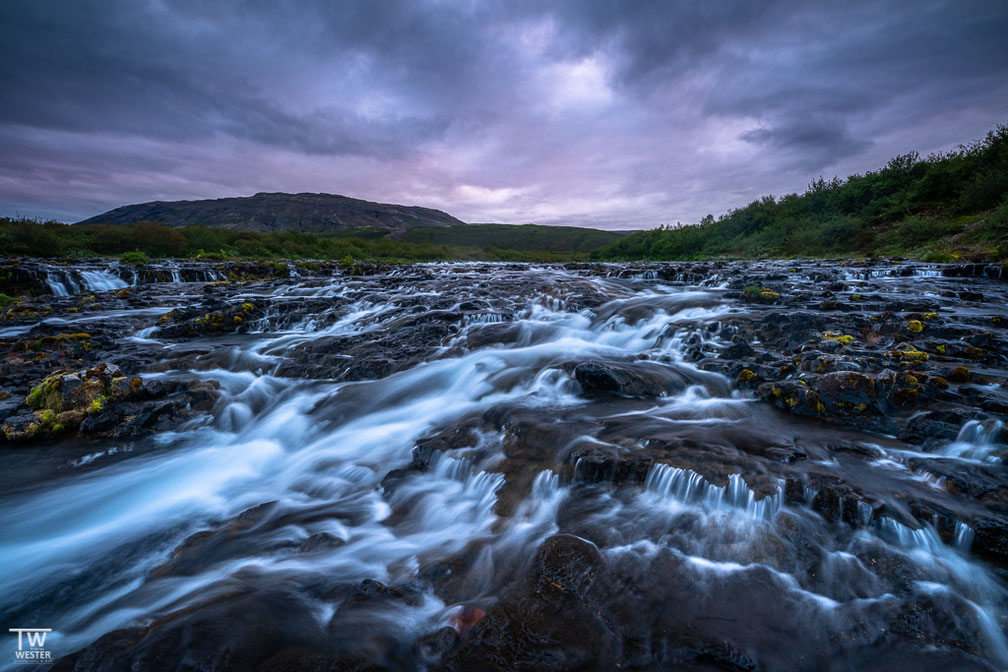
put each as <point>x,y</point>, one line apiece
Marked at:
<point>212,316</point>
<point>597,462</point>
<point>320,541</point>
<point>234,632</point>
<point>641,380</point>
<point>739,350</point>
<point>552,624</point>
<point>431,648</point>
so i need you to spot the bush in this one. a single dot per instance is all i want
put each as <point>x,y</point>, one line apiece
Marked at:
<point>135,258</point>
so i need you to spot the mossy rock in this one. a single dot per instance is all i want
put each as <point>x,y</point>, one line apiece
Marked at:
<point>841,338</point>
<point>746,377</point>
<point>960,374</point>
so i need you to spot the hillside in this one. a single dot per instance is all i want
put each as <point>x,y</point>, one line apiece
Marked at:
<point>307,213</point>
<point>936,208</point>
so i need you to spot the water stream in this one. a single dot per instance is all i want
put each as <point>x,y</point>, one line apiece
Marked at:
<point>303,486</point>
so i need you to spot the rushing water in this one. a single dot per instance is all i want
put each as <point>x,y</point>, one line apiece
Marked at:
<point>304,487</point>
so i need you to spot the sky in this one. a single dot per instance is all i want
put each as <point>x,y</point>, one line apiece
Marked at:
<point>619,115</point>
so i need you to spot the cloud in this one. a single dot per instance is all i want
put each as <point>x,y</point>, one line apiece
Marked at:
<point>581,111</point>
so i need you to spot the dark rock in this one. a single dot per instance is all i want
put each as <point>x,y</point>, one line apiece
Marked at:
<point>640,380</point>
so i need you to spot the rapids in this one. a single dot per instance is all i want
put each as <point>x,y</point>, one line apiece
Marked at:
<point>396,460</point>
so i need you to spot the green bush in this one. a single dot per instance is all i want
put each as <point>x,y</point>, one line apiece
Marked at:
<point>135,258</point>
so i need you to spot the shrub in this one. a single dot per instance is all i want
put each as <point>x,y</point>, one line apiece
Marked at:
<point>135,258</point>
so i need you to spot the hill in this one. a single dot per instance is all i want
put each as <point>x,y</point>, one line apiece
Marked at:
<point>307,213</point>
<point>936,208</point>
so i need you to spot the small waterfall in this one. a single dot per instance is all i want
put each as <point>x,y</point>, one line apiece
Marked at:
<point>61,283</point>
<point>977,440</point>
<point>687,486</point>
<point>907,537</point>
<point>963,539</point>
<point>101,281</point>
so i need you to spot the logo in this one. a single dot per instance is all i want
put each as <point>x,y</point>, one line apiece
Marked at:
<point>31,645</point>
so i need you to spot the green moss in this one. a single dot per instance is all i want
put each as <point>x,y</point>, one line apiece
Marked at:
<point>745,377</point>
<point>910,354</point>
<point>248,307</point>
<point>915,326</point>
<point>930,316</point>
<point>940,348</point>
<point>97,406</point>
<point>842,338</point>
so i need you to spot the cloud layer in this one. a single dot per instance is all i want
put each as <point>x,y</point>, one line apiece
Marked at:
<point>597,113</point>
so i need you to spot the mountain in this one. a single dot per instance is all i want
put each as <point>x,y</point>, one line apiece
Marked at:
<point>310,213</point>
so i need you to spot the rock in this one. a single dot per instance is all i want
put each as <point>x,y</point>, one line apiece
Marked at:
<point>320,541</point>
<point>597,462</point>
<point>640,380</point>
<point>21,427</point>
<point>431,648</point>
<point>959,374</point>
<point>739,350</point>
<point>552,623</point>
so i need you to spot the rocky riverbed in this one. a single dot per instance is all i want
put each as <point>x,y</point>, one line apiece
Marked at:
<point>704,466</point>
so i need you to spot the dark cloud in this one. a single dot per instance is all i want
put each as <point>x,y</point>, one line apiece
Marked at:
<point>582,111</point>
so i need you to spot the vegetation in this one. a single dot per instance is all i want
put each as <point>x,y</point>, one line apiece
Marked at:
<point>136,258</point>
<point>932,208</point>
<point>524,238</point>
<point>135,243</point>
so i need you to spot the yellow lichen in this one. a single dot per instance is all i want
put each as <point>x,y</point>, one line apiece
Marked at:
<point>842,338</point>
<point>746,376</point>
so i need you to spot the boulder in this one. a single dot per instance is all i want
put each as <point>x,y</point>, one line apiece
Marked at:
<point>639,380</point>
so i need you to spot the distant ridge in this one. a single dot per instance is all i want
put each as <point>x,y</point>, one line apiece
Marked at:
<point>308,213</point>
